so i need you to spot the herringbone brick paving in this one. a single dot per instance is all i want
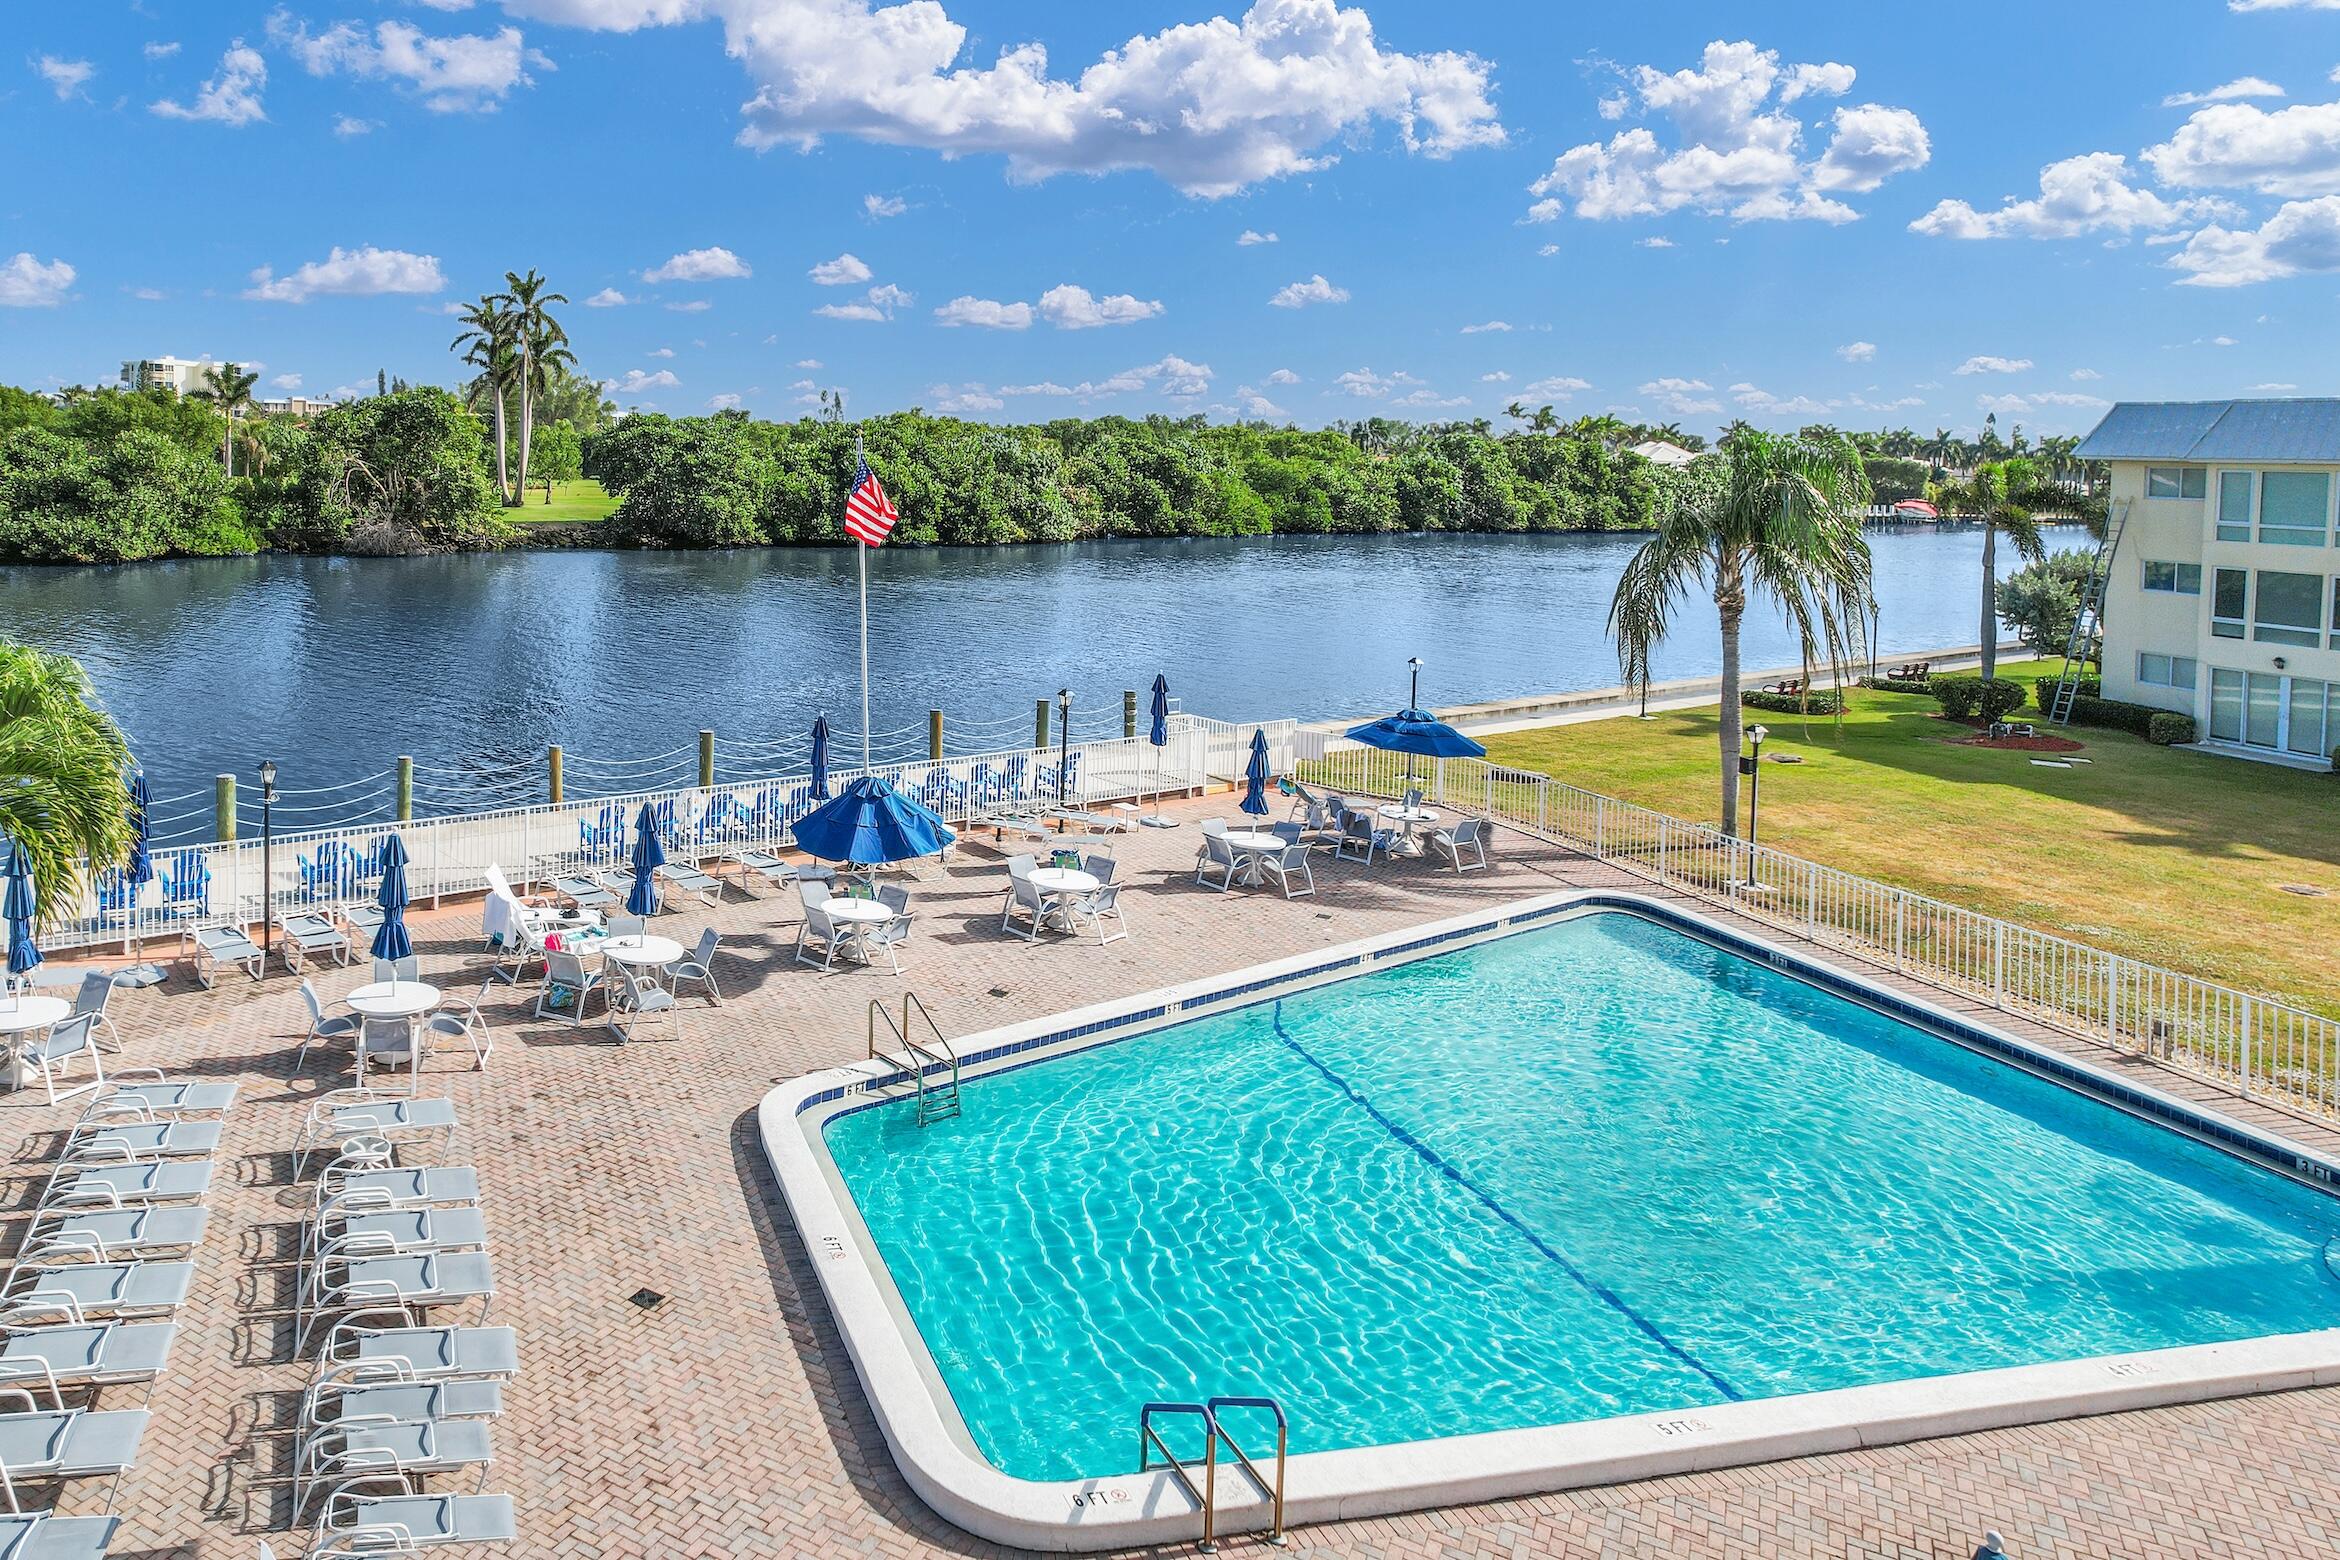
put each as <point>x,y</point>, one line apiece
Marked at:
<point>725,1420</point>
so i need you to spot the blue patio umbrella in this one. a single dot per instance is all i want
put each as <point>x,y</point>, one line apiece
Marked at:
<point>870,822</point>
<point>820,759</point>
<point>1416,731</point>
<point>390,939</point>
<point>140,868</point>
<point>1255,776</point>
<point>1159,735</point>
<point>17,904</point>
<point>649,856</point>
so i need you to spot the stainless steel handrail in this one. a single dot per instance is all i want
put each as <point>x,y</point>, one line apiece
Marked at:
<point>1150,1441</point>
<point>1274,1493</point>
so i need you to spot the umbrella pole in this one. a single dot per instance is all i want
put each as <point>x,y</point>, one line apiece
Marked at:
<point>1155,820</point>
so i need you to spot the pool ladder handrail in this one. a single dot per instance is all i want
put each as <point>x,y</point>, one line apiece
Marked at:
<point>1207,1498</point>
<point>938,1101</point>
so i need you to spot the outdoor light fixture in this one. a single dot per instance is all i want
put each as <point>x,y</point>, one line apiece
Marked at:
<point>267,857</point>
<point>1754,768</point>
<point>1413,702</point>
<point>1063,747</point>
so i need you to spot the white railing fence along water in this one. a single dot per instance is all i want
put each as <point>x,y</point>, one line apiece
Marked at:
<point>2267,1049</point>
<point>252,878</point>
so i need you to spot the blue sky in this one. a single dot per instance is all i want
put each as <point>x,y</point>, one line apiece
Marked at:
<point>1871,214</point>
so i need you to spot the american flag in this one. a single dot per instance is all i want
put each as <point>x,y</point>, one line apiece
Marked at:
<point>869,514</point>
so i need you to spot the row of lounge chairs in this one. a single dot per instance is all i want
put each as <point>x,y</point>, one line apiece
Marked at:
<point>88,1305</point>
<point>398,1397</point>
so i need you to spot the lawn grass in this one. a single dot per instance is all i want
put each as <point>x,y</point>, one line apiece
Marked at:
<point>573,503</point>
<point>2169,857</point>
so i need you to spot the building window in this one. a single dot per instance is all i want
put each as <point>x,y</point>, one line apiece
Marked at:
<point>2184,579</point>
<point>2295,507</point>
<point>2288,609</point>
<point>2166,671</point>
<point>2229,593</point>
<point>2176,482</point>
<point>2234,506</point>
<point>2336,618</point>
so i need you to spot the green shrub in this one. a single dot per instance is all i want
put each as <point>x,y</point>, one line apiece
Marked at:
<point>2168,728</point>
<point>1897,684</point>
<point>1820,701</point>
<point>2089,688</point>
<point>1963,698</point>
<point>2116,715</point>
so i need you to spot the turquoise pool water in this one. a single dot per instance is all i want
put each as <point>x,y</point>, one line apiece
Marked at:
<point>1595,1169</point>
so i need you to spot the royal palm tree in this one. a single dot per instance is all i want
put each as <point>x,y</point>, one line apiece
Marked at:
<point>230,390</point>
<point>489,339</point>
<point>1778,515</point>
<point>64,775</point>
<point>542,344</point>
<point>1991,496</point>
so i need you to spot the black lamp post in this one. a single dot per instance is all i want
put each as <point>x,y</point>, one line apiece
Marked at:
<point>1413,702</point>
<point>1063,748</point>
<point>1876,613</point>
<point>1755,736</point>
<point>267,859</point>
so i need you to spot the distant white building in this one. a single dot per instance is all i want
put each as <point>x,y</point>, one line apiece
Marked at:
<point>183,375</point>
<point>2223,599</point>
<point>1662,452</point>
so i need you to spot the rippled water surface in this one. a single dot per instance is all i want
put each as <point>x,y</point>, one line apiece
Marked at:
<point>335,666</point>
<point>1601,1168</point>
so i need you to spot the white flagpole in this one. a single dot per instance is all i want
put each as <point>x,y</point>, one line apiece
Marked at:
<point>861,558</point>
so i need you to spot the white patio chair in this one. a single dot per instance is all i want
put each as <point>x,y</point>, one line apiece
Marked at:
<point>1095,909</point>
<point>697,965</point>
<point>323,1026</point>
<point>1215,855</point>
<point>818,926</point>
<point>1287,867</point>
<point>1468,836</point>
<point>633,997</point>
<point>565,973</point>
<point>1024,898</point>
<point>51,1055</point>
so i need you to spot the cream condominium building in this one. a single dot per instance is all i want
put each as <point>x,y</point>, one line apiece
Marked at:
<point>2223,599</point>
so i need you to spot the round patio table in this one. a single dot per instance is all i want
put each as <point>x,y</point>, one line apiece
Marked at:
<point>1408,820</point>
<point>390,1001</point>
<point>854,915</point>
<point>1064,884</point>
<point>641,952</point>
<point>1252,845</point>
<point>26,1015</point>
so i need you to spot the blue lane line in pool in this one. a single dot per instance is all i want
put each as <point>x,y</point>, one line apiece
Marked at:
<point>1437,1161</point>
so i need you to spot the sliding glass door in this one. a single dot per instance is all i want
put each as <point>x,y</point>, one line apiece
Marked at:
<point>2281,714</point>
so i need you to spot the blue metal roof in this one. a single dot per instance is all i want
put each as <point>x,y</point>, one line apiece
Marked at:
<point>2303,430</point>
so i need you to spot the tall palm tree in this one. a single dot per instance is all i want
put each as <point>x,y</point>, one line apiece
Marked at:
<point>1991,495</point>
<point>1782,516</point>
<point>64,775</point>
<point>1939,447</point>
<point>230,390</point>
<point>1516,412</point>
<point>490,341</point>
<point>542,344</point>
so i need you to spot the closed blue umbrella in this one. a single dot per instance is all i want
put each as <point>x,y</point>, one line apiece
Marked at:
<point>1160,734</point>
<point>1255,776</point>
<point>140,868</point>
<point>1416,731</point>
<point>390,939</point>
<point>17,903</point>
<point>649,856</point>
<point>870,822</point>
<point>820,759</point>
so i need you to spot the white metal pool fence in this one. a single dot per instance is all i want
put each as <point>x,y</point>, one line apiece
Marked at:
<point>245,880</point>
<point>2268,1049</point>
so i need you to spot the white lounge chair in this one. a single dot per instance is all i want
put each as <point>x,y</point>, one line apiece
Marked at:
<point>66,1443</point>
<point>309,933</point>
<point>96,1291</point>
<point>87,1355</point>
<point>344,1114</point>
<point>144,1094</point>
<point>392,1341</point>
<point>43,1535</point>
<point>360,1523</point>
<point>217,946</point>
<point>122,1186</point>
<point>339,1283</point>
<point>405,1449</point>
<point>112,1234</point>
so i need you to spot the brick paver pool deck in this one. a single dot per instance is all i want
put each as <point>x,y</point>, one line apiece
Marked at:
<point>725,1420</point>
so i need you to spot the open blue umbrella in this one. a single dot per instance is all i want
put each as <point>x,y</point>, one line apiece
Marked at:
<point>1416,731</point>
<point>820,759</point>
<point>649,856</point>
<point>17,904</point>
<point>390,939</point>
<point>140,868</point>
<point>870,822</point>
<point>1255,776</point>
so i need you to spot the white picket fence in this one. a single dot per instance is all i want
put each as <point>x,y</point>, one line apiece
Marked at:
<point>246,880</point>
<point>2267,1049</point>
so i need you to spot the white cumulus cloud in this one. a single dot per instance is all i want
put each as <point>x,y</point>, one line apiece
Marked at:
<point>2239,88</point>
<point>463,73</point>
<point>2302,236</point>
<point>986,313</point>
<point>1993,365</point>
<point>879,207</point>
<point>638,380</point>
<point>1283,376</point>
<point>713,264</point>
<point>874,306</point>
<point>231,96</point>
<point>2291,151</point>
<point>160,50</point>
<point>847,270</point>
<point>1248,237</point>
<point>2085,194</point>
<point>351,273</point>
<point>1073,308</point>
<point>608,298</point>
<point>65,77</point>
<point>1736,151</point>
<point>1857,351</point>
<point>1299,295</point>
<point>1482,329</point>
<point>1559,386</point>
<point>27,283</point>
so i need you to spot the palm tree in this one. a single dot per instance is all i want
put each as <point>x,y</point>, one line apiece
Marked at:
<point>1939,448</point>
<point>1782,516</point>
<point>64,775</point>
<point>489,338</point>
<point>230,390</point>
<point>1516,412</point>
<point>1990,496</point>
<point>542,344</point>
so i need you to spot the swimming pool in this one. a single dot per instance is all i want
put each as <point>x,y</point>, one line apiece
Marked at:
<point>1600,1167</point>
